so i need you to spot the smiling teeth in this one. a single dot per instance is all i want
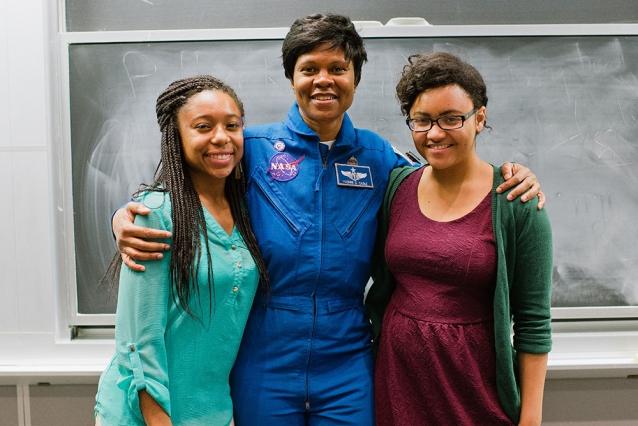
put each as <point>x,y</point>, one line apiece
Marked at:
<point>324,97</point>
<point>219,156</point>
<point>437,147</point>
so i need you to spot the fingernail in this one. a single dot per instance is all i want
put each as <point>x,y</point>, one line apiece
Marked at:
<point>160,255</point>
<point>167,247</point>
<point>510,197</point>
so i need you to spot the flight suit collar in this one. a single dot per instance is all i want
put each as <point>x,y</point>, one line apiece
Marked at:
<point>295,123</point>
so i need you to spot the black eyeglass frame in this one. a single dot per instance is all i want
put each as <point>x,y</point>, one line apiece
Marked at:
<point>463,118</point>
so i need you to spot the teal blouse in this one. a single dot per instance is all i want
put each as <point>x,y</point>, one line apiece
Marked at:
<point>182,361</point>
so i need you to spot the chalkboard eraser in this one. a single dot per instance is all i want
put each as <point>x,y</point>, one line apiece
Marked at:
<point>408,20</point>
<point>367,24</point>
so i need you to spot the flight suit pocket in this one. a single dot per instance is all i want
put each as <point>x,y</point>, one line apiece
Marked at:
<point>278,226</point>
<point>277,200</point>
<point>356,223</point>
<point>360,206</point>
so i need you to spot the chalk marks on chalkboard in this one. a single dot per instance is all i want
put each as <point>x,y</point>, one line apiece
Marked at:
<point>137,65</point>
<point>570,279</point>
<point>188,59</point>
<point>268,78</point>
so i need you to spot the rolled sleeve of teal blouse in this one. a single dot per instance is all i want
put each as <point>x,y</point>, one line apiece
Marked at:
<point>142,312</point>
<point>531,287</point>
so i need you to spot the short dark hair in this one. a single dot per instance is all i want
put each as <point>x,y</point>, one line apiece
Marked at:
<point>337,31</point>
<point>429,71</point>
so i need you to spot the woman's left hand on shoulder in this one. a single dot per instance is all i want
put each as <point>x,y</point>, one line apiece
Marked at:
<point>524,182</point>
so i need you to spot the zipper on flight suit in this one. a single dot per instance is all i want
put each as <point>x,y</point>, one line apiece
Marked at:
<point>312,337</point>
<point>324,164</point>
<point>324,152</point>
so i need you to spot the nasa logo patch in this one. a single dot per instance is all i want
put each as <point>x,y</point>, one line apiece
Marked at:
<point>283,166</point>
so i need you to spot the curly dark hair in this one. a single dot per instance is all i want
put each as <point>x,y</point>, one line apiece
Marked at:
<point>337,31</point>
<point>429,71</point>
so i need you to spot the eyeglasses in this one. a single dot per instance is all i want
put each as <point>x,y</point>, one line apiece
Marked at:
<point>446,122</point>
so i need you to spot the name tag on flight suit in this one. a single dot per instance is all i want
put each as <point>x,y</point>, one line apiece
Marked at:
<point>354,176</point>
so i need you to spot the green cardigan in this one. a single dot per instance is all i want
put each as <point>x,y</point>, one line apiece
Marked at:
<point>523,283</point>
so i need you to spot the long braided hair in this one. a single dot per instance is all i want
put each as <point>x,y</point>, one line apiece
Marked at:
<point>187,213</point>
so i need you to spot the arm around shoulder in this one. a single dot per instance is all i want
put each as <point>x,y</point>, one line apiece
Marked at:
<point>135,241</point>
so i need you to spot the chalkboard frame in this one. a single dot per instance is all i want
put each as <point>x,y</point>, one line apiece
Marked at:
<point>65,210</point>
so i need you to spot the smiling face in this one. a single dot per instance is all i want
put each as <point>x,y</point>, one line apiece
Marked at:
<point>446,148</point>
<point>210,126</point>
<point>324,85</point>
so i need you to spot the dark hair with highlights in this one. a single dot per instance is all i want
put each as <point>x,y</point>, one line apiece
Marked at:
<point>172,176</point>
<point>336,31</point>
<point>429,71</point>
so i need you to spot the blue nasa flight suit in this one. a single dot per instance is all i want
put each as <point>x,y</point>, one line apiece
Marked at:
<point>305,357</point>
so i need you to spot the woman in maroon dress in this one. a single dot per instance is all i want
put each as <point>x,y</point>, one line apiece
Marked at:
<point>465,266</point>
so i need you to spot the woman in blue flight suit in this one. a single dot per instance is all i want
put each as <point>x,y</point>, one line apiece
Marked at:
<point>315,185</point>
<point>305,355</point>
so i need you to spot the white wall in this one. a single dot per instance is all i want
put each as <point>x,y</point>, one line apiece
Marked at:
<point>26,279</point>
<point>30,295</point>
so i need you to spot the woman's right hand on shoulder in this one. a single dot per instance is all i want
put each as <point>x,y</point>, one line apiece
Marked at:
<point>135,242</point>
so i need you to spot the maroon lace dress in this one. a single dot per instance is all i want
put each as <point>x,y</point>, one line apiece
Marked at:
<point>436,361</point>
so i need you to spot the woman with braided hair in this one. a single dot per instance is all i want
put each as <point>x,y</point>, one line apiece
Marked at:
<point>179,324</point>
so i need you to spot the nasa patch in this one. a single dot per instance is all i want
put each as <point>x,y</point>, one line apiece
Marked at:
<point>283,166</point>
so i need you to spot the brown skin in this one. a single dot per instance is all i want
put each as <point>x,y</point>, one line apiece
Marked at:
<point>532,369</point>
<point>457,179</point>
<point>153,413</point>
<point>324,86</point>
<point>211,131</point>
<point>523,181</point>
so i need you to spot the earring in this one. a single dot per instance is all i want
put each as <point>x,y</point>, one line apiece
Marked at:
<point>238,171</point>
